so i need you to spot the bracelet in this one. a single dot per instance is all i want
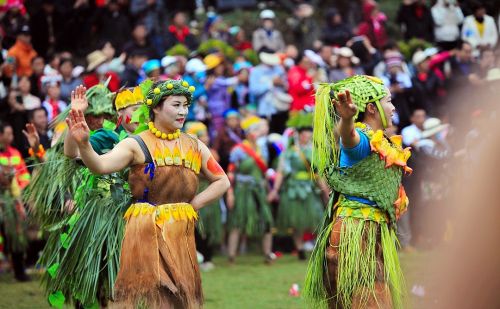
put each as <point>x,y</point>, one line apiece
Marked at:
<point>39,154</point>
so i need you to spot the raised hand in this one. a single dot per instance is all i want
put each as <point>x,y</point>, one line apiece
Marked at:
<point>78,128</point>
<point>32,136</point>
<point>79,99</point>
<point>344,106</point>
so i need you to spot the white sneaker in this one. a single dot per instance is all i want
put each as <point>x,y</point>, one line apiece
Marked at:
<point>207,266</point>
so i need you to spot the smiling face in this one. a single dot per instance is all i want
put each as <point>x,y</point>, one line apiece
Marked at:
<point>388,107</point>
<point>171,114</point>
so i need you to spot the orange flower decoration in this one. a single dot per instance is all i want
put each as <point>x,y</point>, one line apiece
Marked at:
<point>391,150</point>
<point>401,204</point>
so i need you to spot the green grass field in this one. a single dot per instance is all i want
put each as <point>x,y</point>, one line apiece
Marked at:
<point>247,284</point>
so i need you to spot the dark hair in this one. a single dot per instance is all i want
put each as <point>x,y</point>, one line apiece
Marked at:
<point>64,60</point>
<point>461,43</point>
<point>37,57</point>
<point>300,56</point>
<point>31,113</point>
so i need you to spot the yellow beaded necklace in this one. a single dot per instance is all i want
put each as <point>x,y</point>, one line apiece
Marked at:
<point>162,135</point>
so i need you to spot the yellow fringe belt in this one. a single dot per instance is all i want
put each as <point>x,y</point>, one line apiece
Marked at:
<point>164,212</point>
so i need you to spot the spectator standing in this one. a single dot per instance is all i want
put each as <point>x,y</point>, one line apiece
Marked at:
<point>239,39</point>
<point>179,33</point>
<point>447,17</point>
<point>12,22</point>
<point>480,30</point>
<point>267,36</point>
<point>39,118</point>
<point>415,20</point>
<point>227,137</point>
<point>373,25</point>
<point>46,26</point>
<point>112,25</point>
<point>304,26</point>
<point>300,81</point>
<point>140,41</point>
<point>22,51</point>
<point>38,67</point>
<point>268,83</point>
<point>336,32</point>
<point>152,14</point>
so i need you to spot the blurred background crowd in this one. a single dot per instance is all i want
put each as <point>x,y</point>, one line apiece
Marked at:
<point>440,60</point>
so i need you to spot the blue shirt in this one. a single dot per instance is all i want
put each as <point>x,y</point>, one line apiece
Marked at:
<point>351,156</point>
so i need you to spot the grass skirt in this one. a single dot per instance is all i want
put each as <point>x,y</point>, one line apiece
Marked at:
<point>355,264</point>
<point>251,213</point>
<point>300,207</point>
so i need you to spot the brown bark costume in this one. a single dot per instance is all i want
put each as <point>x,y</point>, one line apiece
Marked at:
<point>158,264</point>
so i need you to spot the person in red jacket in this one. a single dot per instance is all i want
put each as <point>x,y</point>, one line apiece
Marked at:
<point>98,72</point>
<point>373,25</point>
<point>300,80</point>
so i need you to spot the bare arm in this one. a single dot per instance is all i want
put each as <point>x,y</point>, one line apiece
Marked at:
<point>347,110</point>
<point>278,181</point>
<point>219,183</point>
<point>121,156</point>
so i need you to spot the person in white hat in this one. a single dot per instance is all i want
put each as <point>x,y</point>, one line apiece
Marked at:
<point>267,81</point>
<point>171,67</point>
<point>433,143</point>
<point>267,36</point>
<point>347,64</point>
<point>300,80</point>
<point>195,75</point>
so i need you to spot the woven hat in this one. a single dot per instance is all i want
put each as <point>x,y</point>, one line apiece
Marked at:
<point>100,100</point>
<point>95,59</point>
<point>432,126</point>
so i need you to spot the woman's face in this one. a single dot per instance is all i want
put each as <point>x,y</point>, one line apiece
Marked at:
<point>66,69</point>
<point>24,85</point>
<point>388,107</point>
<point>8,135</point>
<point>344,62</point>
<point>172,113</point>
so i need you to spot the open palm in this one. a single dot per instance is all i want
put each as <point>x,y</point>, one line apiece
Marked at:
<point>78,126</point>
<point>79,99</point>
<point>345,108</point>
<point>32,135</point>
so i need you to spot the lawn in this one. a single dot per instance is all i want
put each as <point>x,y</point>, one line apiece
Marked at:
<point>247,284</point>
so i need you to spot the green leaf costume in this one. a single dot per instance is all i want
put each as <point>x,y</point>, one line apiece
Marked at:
<point>355,260</point>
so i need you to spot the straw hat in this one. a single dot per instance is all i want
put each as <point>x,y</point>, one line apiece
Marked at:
<point>345,52</point>
<point>269,59</point>
<point>95,59</point>
<point>433,126</point>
